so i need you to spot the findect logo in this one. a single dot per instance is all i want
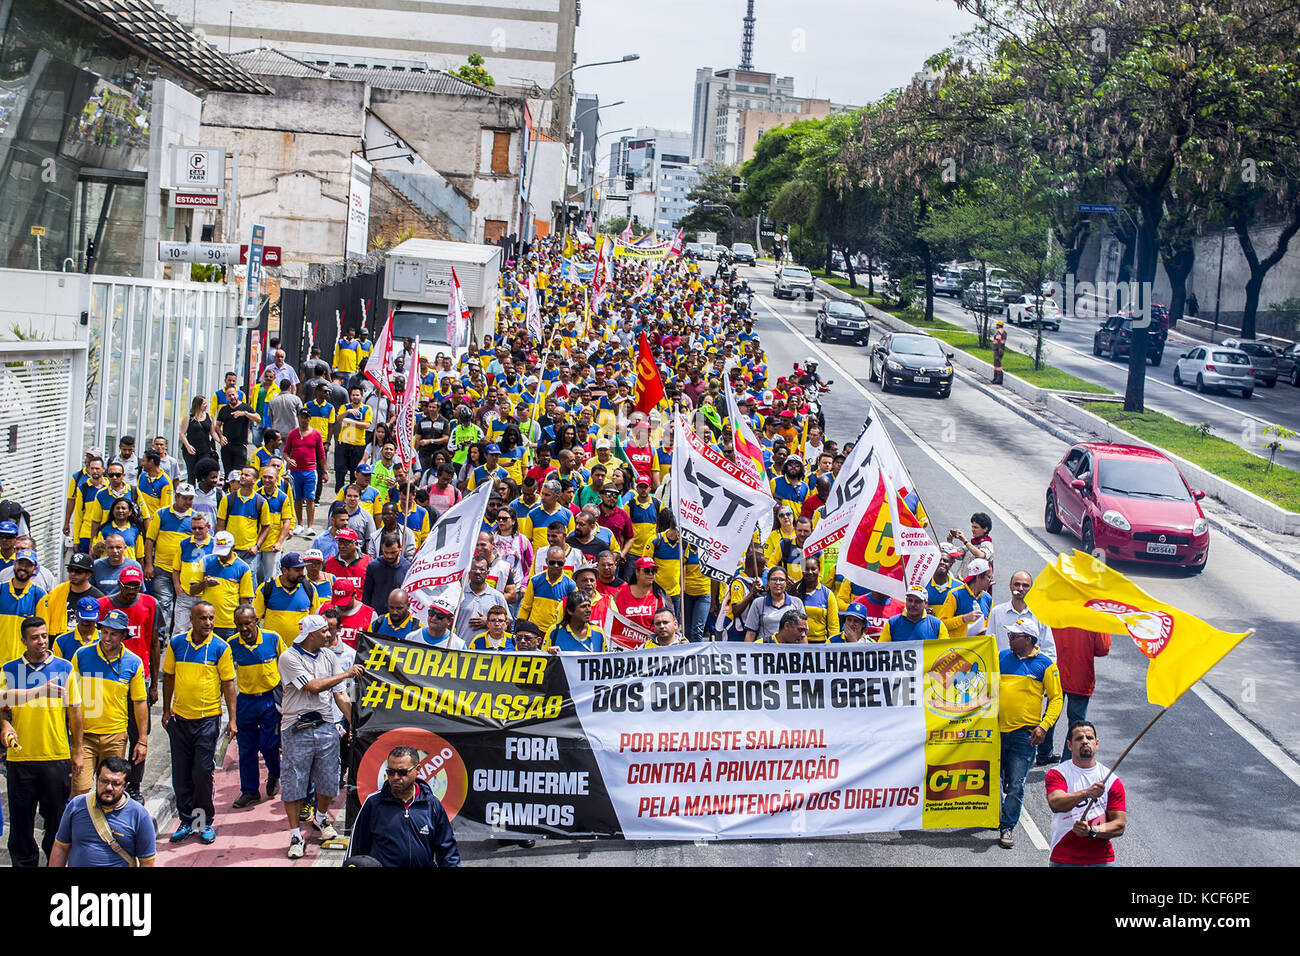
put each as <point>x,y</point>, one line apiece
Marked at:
<point>950,781</point>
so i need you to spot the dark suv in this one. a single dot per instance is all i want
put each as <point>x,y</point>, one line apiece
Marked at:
<point>1116,333</point>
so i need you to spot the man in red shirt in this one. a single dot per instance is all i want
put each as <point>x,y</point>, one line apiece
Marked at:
<point>1087,803</point>
<point>355,617</point>
<point>1075,652</point>
<point>880,608</point>
<point>640,453</point>
<point>141,611</point>
<point>304,451</point>
<point>349,562</point>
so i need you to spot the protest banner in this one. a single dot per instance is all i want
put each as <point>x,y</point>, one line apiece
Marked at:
<point>698,741</point>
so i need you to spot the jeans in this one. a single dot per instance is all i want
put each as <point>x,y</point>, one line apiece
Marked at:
<point>1017,758</point>
<point>194,750</point>
<point>136,776</point>
<point>164,593</point>
<point>1076,708</point>
<point>258,719</point>
<point>266,567</point>
<point>1046,751</point>
<point>697,617</point>
<point>677,610</point>
<point>36,786</point>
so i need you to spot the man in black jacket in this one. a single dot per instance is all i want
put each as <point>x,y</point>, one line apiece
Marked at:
<point>404,824</point>
<point>386,574</point>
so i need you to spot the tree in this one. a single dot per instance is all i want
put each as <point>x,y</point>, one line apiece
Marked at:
<point>474,72</point>
<point>711,191</point>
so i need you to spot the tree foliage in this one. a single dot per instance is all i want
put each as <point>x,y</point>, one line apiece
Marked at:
<point>474,72</point>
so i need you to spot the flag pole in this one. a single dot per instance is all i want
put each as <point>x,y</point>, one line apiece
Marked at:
<point>681,542</point>
<point>1123,754</point>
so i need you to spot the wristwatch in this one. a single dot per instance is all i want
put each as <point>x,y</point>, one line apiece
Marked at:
<point>1092,832</point>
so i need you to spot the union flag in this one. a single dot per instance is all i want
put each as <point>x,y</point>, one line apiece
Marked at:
<point>649,386</point>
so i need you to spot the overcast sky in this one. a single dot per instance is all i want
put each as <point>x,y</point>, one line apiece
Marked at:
<point>847,51</point>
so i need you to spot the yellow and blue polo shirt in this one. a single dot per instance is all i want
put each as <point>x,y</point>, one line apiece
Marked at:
<point>234,587</point>
<point>14,606</point>
<point>100,506</point>
<point>668,563</point>
<point>697,585</point>
<point>899,628</point>
<point>69,642</point>
<point>384,627</point>
<point>191,558</point>
<point>156,493</point>
<point>322,416</point>
<point>645,518</point>
<point>959,602</point>
<point>346,356</point>
<point>1021,689</point>
<point>418,522</point>
<point>167,530</point>
<point>244,517</point>
<point>789,495</point>
<point>219,398</point>
<point>543,602</point>
<point>823,610</point>
<point>538,521</point>
<point>198,670</point>
<point>279,512</point>
<point>85,501</point>
<point>564,638</point>
<point>371,502</point>
<point>257,668</point>
<point>107,687</point>
<point>324,588</point>
<point>131,537</point>
<point>41,723</point>
<point>281,608</point>
<point>352,425</point>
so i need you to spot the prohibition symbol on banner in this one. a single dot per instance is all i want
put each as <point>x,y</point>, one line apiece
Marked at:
<point>440,766</point>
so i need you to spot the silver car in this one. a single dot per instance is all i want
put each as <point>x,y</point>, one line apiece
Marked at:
<point>1212,366</point>
<point>792,280</point>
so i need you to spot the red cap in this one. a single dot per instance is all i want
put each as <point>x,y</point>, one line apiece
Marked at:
<point>347,534</point>
<point>343,585</point>
<point>787,414</point>
<point>130,575</point>
<point>645,563</point>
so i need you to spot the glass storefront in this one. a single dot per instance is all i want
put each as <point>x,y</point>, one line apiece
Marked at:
<point>75,114</point>
<point>153,347</point>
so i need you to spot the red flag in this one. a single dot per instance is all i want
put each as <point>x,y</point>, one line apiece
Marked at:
<point>676,249</point>
<point>379,367</point>
<point>649,386</point>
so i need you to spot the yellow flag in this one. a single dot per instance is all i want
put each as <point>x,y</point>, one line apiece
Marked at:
<point>569,247</point>
<point>1079,590</point>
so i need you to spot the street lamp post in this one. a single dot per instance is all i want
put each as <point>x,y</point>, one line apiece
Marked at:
<point>532,149</point>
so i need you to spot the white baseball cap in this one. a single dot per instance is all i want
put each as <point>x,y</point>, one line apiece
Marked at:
<point>313,554</point>
<point>977,567</point>
<point>310,624</point>
<point>1024,625</point>
<point>185,489</point>
<point>223,543</point>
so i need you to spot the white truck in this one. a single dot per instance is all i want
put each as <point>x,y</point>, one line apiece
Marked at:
<point>417,285</point>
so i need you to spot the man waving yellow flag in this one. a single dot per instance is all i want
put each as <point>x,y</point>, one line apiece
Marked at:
<point>1079,590</point>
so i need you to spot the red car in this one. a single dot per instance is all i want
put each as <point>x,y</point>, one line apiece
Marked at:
<point>1130,503</point>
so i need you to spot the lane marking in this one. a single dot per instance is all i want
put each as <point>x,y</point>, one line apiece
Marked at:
<point>1035,834</point>
<point>1248,732</point>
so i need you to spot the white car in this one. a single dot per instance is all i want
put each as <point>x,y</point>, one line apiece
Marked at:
<point>1213,366</point>
<point>1023,311</point>
<point>947,283</point>
<point>791,280</point>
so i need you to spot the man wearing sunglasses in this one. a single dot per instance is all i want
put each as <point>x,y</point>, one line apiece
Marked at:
<point>403,823</point>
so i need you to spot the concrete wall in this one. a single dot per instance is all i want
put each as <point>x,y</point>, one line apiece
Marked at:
<point>43,305</point>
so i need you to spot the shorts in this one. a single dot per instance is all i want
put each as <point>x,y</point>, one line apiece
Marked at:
<point>309,757</point>
<point>304,485</point>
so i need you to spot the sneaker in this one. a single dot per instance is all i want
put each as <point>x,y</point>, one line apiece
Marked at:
<point>246,800</point>
<point>182,833</point>
<point>306,813</point>
<point>1006,839</point>
<point>326,828</point>
<point>272,786</point>
<point>209,835</point>
<point>1046,762</point>
<point>297,848</point>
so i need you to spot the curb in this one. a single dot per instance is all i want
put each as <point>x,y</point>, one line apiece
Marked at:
<point>161,805</point>
<point>1226,528</point>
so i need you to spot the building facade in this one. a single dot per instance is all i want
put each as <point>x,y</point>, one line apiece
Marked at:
<point>662,174</point>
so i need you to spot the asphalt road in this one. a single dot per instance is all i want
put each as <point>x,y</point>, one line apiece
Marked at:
<point>1234,418</point>
<point>1207,758</point>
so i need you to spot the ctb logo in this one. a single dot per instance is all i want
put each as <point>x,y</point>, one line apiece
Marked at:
<point>949,781</point>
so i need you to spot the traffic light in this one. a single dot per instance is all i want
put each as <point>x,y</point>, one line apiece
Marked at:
<point>736,184</point>
<point>629,180</point>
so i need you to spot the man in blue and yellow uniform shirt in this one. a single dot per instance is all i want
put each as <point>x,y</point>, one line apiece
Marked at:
<point>279,514</point>
<point>643,510</point>
<point>537,522</point>
<point>101,506</point>
<point>914,624</point>
<point>413,516</point>
<point>188,578</point>
<point>245,514</point>
<point>256,655</point>
<point>347,354</point>
<point>167,529</point>
<point>282,601</point>
<point>18,600</point>
<point>84,632</point>
<point>399,621</point>
<point>153,484</point>
<point>36,731</point>
<point>198,671</point>
<point>111,680</point>
<point>968,603</point>
<point>1029,702</point>
<point>543,601</point>
<point>227,583</point>
<point>321,414</point>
